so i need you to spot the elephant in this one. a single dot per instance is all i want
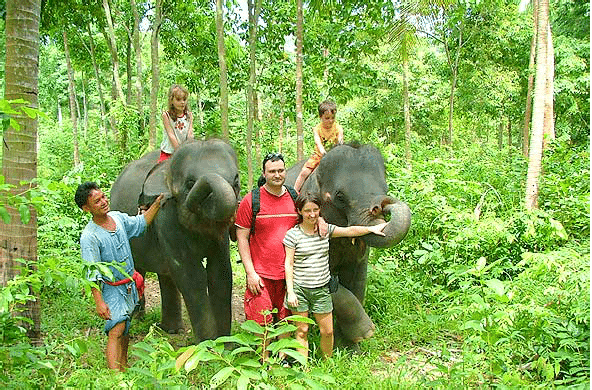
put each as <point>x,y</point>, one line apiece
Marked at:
<point>187,244</point>
<point>350,181</point>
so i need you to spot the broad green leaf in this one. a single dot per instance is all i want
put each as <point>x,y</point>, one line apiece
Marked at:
<point>25,213</point>
<point>4,215</point>
<point>296,355</point>
<point>184,356</point>
<point>253,327</point>
<point>496,285</point>
<point>221,376</point>
<point>246,361</point>
<point>239,350</point>
<point>243,382</point>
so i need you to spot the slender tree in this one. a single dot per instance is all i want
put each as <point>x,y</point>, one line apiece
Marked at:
<point>299,115</point>
<point>223,69</point>
<point>139,85</point>
<point>254,9</point>
<point>156,24</point>
<point>528,110</point>
<point>549,128</point>
<point>538,114</point>
<point>110,37</point>
<point>19,155</point>
<point>72,98</point>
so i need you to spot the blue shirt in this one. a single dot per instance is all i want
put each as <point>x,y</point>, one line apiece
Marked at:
<point>100,245</point>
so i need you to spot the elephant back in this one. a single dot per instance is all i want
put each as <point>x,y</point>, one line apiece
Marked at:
<point>128,185</point>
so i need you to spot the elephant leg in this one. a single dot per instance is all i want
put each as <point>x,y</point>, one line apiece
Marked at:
<point>193,286</point>
<point>352,323</point>
<point>354,275</point>
<point>220,287</point>
<point>172,320</point>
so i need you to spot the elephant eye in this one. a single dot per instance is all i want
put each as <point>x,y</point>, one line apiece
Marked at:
<point>340,197</point>
<point>189,184</point>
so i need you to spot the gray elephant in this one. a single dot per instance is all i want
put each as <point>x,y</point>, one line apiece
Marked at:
<point>350,180</point>
<point>187,244</point>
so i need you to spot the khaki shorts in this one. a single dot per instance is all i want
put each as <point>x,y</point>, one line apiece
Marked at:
<point>313,300</point>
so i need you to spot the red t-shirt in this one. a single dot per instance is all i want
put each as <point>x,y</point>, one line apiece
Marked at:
<point>276,216</point>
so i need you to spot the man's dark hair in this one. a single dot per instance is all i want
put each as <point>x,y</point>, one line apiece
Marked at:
<point>83,191</point>
<point>303,199</point>
<point>272,157</point>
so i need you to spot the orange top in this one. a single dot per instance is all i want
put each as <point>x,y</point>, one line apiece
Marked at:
<point>328,137</point>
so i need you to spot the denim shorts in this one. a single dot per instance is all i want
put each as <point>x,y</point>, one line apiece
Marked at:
<point>313,300</point>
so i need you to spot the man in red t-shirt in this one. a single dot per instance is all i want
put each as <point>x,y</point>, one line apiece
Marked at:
<point>262,252</point>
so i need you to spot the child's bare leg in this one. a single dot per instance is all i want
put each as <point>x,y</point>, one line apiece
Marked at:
<point>325,321</point>
<point>304,173</point>
<point>301,334</point>
<point>115,347</point>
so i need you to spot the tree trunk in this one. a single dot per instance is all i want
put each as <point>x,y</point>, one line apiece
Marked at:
<point>509,135</point>
<point>113,49</point>
<point>223,70</point>
<point>97,77</point>
<point>128,64</point>
<point>406,111</point>
<point>254,10</point>
<point>19,157</point>
<point>154,66</point>
<point>299,116</point>
<point>72,95</point>
<point>549,129</point>
<point>500,134</point>
<point>528,111</point>
<point>138,51</point>
<point>84,106</point>
<point>538,114</point>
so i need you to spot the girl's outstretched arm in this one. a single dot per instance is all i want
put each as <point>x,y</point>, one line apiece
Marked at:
<point>356,231</point>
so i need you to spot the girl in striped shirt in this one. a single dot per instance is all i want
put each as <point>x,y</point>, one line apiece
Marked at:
<point>307,269</point>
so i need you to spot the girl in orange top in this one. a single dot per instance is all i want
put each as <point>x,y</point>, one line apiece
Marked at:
<point>326,134</point>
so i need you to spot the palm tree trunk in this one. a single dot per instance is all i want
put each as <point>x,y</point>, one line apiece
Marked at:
<point>19,156</point>
<point>223,70</point>
<point>538,114</point>
<point>299,44</point>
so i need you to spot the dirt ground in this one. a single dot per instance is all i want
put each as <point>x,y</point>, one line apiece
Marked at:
<point>152,294</point>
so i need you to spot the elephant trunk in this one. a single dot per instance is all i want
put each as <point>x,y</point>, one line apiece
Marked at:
<point>213,198</point>
<point>397,227</point>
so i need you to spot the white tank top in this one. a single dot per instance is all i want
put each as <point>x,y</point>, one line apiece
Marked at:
<point>181,130</point>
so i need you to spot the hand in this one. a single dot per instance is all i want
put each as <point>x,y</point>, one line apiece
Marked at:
<point>292,299</point>
<point>322,228</point>
<point>377,229</point>
<point>103,310</point>
<point>254,283</point>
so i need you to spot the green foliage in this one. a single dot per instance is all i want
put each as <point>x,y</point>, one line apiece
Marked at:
<point>245,364</point>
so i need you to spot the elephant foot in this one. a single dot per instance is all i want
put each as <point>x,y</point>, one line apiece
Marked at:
<point>171,329</point>
<point>358,331</point>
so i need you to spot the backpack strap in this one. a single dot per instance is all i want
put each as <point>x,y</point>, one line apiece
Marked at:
<point>292,192</point>
<point>256,202</point>
<point>255,205</point>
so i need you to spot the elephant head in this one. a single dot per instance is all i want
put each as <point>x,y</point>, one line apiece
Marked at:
<point>351,182</point>
<point>203,181</point>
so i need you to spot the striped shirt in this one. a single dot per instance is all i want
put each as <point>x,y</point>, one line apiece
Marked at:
<point>311,256</point>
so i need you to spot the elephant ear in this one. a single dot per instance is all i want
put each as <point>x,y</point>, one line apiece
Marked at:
<point>311,184</point>
<point>154,185</point>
